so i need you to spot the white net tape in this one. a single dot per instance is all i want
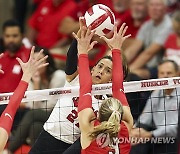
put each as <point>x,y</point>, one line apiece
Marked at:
<point>100,89</point>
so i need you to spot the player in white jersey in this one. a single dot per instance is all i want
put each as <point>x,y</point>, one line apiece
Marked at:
<point>61,129</point>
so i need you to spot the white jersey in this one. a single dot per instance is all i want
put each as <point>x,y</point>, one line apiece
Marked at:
<point>63,121</point>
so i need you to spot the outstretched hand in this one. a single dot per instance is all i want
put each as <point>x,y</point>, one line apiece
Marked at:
<point>84,37</point>
<point>118,38</point>
<point>1,71</point>
<point>34,63</point>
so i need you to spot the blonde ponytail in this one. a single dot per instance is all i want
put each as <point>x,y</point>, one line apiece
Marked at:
<point>110,127</point>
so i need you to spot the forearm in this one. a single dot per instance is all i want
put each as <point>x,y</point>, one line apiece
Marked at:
<point>7,116</point>
<point>85,80</point>
<point>117,78</point>
<point>72,59</point>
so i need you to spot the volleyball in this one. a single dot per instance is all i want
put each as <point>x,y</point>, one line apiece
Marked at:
<point>100,18</point>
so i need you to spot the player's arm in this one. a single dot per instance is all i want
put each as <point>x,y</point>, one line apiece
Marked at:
<point>7,117</point>
<point>85,112</point>
<point>71,69</point>
<point>146,56</point>
<point>115,43</point>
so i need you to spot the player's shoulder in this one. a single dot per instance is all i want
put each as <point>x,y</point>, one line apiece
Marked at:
<point>74,82</point>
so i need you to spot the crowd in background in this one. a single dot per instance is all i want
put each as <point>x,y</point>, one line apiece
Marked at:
<point>155,29</point>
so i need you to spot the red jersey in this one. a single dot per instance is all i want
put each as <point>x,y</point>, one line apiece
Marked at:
<point>124,147</point>
<point>171,45</point>
<point>46,20</point>
<point>12,70</point>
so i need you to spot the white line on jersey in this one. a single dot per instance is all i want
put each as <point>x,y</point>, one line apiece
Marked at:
<point>7,114</point>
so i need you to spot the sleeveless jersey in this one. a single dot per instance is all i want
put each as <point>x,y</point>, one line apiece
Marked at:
<point>63,121</point>
<point>117,147</point>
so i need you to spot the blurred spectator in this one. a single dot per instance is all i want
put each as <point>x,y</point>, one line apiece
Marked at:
<point>6,11</point>
<point>121,10</point>
<point>172,5</point>
<point>32,123</point>
<point>45,21</point>
<point>151,37</point>
<point>71,24</point>
<point>160,115</point>
<point>12,37</point>
<point>137,16</point>
<point>172,44</point>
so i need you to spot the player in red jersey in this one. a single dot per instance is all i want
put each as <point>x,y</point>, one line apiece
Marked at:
<point>109,122</point>
<point>29,69</point>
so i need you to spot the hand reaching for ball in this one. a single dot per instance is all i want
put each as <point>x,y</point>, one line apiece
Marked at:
<point>84,37</point>
<point>118,38</point>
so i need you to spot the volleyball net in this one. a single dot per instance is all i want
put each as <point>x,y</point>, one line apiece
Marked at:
<point>138,93</point>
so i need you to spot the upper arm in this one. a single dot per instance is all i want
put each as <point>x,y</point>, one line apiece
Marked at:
<point>127,117</point>
<point>71,77</point>
<point>85,117</point>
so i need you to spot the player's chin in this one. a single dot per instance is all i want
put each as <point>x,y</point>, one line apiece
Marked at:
<point>95,81</point>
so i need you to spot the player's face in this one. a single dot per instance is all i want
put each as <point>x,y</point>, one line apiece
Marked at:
<point>102,72</point>
<point>138,8</point>
<point>167,70</point>
<point>12,38</point>
<point>156,9</point>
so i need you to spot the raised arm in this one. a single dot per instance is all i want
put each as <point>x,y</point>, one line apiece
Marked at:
<point>115,44</point>
<point>72,57</point>
<point>7,116</point>
<point>85,112</point>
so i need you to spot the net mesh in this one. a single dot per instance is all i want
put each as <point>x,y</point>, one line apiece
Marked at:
<point>152,109</point>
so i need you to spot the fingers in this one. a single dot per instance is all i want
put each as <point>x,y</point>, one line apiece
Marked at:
<point>82,22</point>
<point>83,31</point>
<point>19,61</point>
<point>88,31</point>
<point>75,36</point>
<point>1,71</point>
<point>127,36</point>
<point>115,28</point>
<point>40,52</point>
<point>42,60</point>
<point>104,38</point>
<point>92,45</point>
<point>1,55</point>
<point>121,29</point>
<point>32,53</point>
<point>124,31</point>
<point>43,65</point>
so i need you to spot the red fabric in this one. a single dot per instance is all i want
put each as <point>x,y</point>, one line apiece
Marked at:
<point>127,18</point>
<point>84,5</point>
<point>7,116</point>
<point>124,147</point>
<point>12,70</point>
<point>171,45</point>
<point>85,99</point>
<point>46,20</point>
<point>118,78</point>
